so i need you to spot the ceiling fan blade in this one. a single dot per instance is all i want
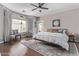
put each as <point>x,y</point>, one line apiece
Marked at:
<point>34,5</point>
<point>42,4</point>
<point>44,8</point>
<point>34,9</point>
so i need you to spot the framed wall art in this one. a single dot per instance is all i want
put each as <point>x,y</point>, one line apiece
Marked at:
<point>56,23</point>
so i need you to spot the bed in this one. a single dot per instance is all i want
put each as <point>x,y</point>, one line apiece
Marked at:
<point>55,36</point>
<point>53,42</point>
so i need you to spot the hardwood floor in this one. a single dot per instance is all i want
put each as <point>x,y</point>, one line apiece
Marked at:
<point>14,48</point>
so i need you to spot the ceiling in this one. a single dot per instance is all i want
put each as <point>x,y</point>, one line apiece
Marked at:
<point>53,8</point>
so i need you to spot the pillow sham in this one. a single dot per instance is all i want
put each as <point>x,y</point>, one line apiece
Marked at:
<point>64,31</point>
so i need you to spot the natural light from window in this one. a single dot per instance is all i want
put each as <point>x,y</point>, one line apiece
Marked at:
<point>19,25</point>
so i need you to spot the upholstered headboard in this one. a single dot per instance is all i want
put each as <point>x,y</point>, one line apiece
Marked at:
<point>61,30</point>
<point>52,30</point>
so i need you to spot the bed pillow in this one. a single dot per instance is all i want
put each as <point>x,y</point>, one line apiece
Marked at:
<point>55,38</point>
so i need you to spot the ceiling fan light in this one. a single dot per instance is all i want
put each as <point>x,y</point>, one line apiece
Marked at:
<point>40,10</point>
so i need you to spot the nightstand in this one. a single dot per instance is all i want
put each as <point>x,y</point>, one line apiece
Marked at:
<point>71,37</point>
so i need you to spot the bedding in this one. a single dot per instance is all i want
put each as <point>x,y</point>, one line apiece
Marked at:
<point>55,38</point>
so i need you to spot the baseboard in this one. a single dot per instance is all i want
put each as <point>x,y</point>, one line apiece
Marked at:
<point>2,42</point>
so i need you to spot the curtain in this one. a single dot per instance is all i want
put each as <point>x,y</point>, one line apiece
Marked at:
<point>7,26</point>
<point>35,25</point>
<point>26,25</point>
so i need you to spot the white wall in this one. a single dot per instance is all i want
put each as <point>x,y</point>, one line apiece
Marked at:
<point>68,19</point>
<point>1,23</point>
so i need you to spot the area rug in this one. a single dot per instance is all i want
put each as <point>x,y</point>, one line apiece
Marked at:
<point>51,50</point>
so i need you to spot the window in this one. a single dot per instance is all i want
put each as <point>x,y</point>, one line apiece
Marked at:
<point>19,25</point>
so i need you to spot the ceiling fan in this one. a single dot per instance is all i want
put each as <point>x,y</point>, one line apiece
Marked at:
<point>40,6</point>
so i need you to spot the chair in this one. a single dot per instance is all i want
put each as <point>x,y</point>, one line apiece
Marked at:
<point>14,34</point>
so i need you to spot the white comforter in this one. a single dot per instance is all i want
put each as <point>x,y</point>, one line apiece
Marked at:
<point>55,38</point>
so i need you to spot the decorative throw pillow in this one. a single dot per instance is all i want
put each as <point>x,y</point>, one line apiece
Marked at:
<point>60,31</point>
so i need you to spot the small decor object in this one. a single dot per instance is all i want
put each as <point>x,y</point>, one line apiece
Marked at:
<point>56,23</point>
<point>72,33</point>
<point>71,37</point>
